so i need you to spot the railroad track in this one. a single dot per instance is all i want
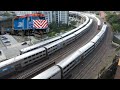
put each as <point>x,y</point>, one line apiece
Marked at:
<point>102,60</point>
<point>37,69</point>
<point>63,52</point>
<point>73,47</point>
<point>91,64</point>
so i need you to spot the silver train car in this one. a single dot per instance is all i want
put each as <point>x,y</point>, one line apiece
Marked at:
<point>52,73</point>
<point>38,45</point>
<point>99,23</point>
<point>67,64</point>
<point>82,31</point>
<point>19,62</point>
<point>41,44</point>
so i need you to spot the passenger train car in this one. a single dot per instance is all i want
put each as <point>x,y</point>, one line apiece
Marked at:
<point>93,16</point>
<point>19,62</point>
<point>60,70</point>
<point>38,45</point>
<point>43,43</point>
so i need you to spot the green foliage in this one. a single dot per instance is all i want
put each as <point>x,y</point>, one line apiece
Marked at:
<point>62,30</point>
<point>114,20</point>
<point>7,14</point>
<point>51,34</point>
<point>116,27</point>
<point>54,28</point>
<point>73,23</point>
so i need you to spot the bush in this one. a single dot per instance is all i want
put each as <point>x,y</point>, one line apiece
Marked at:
<point>73,23</point>
<point>114,20</point>
<point>116,27</point>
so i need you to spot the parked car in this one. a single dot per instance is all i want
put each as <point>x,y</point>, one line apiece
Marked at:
<point>3,37</point>
<point>7,44</point>
<point>6,41</point>
<point>24,43</point>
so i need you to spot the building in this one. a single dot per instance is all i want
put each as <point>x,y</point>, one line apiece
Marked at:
<point>56,16</point>
<point>48,15</point>
<point>6,25</point>
<point>20,13</point>
<point>61,17</point>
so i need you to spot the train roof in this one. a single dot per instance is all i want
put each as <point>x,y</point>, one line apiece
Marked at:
<point>40,44</point>
<point>95,39</point>
<point>102,30</point>
<point>73,30</point>
<point>85,47</point>
<point>94,16</point>
<point>80,26</point>
<point>12,60</point>
<point>67,37</point>
<point>47,73</point>
<point>80,30</point>
<point>54,43</point>
<point>99,34</point>
<point>69,59</point>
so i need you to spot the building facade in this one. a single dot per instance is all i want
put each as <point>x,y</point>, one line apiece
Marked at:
<point>56,16</point>
<point>20,13</point>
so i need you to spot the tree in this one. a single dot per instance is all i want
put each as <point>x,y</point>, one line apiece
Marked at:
<point>73,23</point>
<point>116,27</point>
<point>7,14</point>
<point>53,25</point>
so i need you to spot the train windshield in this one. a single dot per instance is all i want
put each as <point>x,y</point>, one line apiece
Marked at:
<point>36,18</point>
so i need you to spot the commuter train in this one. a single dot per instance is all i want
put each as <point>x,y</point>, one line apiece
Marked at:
<point>60,70</point>
<point>43,43</point>
<point>91,15</point>
<point>18,63</point>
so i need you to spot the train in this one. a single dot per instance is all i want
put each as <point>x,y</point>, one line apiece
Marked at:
<point>91,15</point>
<point>29,21</point>
<point>18,63</point>
<point>61,69</point>
<point>43,43</point>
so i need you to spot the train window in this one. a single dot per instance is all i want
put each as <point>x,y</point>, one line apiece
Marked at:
<point>40,55</point>
<point>29,57</point>
<point>25,58</point>
<point>32,55</point>
<point>34,58</point>
<point>37,53</point>
<point>30,60</point>
<point>37,57</point>
<point>25,62</point>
